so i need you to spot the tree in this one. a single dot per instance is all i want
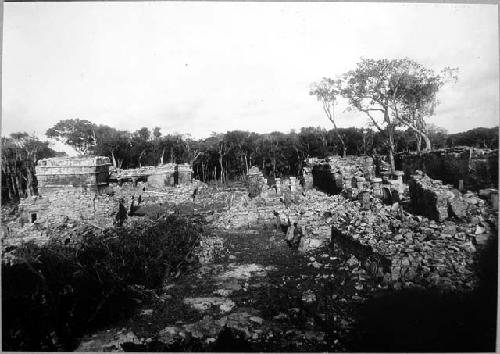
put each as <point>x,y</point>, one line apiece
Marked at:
<point>326,92</point>
<point>420,87</point>
<point>156,132</point>
<point>437,135</point>
<point>20,153</point>
<point>393,93</point>
<point>478,137</point>
<point>113,143</point>
<point>79,134</point>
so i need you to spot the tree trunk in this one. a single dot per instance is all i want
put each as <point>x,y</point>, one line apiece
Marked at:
<point>30,186</point>
<point>161,157</point>
<point>344,149</point>
<point>425,138</point>
<point>221,165</point>
<point>390,131</point>
<point>427,142</point>
<point>419,141</point>
<point>246,163</point>
<point>140,158</point>
<point>114,159</point>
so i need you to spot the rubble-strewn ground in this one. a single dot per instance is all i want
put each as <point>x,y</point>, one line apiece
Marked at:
<point>251,292</point>
<point>273,297</point>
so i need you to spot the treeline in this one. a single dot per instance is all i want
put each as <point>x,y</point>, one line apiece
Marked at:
<point>20,153</point>
<point>219,157</point>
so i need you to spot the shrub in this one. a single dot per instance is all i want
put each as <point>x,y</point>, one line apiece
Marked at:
<point>53,293</point>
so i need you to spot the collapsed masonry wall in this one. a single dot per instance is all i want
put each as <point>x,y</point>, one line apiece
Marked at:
<point>258,185</point>
<point>477,168</point>
<point>167,175</point>
<point>334,174</point>
<point>402,248</point>
<point>438,201</point>
<point>77,188</point>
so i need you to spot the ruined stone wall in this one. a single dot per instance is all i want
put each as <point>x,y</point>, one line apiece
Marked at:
<point>162,176</point>
<point>256,182</point>
<point>70,203</point>
<point>88,172</point>
<point>440,201</point>
<point>168,175</point>
<point>478,168</point>
<point>184,174</point>
<point>335,173</point>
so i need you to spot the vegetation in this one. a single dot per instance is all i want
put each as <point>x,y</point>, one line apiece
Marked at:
<point>226,156</point>
<point>395,93</point>
<point>20,153</point>
<point>70,286</point>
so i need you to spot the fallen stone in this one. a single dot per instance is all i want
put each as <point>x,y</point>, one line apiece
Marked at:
<point>308,297</point>
<point>202,304</point>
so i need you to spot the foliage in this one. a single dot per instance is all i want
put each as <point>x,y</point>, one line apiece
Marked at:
<point>20,153</point>
<point>228,156</point>
<point>326,92</point>
<point>77,133</point>
<point>70,286</point>
<point>394,93</point>
<point>477,137</point>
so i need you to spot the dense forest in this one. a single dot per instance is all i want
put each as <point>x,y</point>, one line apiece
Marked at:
<point>219,157</point>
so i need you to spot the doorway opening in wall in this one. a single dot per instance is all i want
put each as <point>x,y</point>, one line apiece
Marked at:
<point>33,217</point>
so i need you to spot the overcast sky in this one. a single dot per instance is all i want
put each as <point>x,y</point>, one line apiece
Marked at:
<point>198,67</point>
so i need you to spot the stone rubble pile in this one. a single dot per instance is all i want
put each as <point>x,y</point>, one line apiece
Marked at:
<point>439,201</point>
<point>401,248</point>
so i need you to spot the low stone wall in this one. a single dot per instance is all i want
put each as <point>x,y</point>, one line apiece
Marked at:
<point>477,168</point>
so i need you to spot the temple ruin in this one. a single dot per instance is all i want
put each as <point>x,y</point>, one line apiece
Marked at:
<point>404,226</point>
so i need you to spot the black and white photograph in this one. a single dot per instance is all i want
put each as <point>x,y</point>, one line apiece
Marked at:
<point>249,176</point>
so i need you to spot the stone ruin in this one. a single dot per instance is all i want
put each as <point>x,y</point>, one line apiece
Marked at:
<point>258,185</point>
<point>167,175</point>
<point>424,233</point>
<point>78,188</point>
<point>465,168</point>
<point>355,177</point>
<point>434,243</point>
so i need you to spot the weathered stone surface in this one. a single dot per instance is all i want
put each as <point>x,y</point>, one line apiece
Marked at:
<point>256,182</point>
<point>89,172</point>
<point>458,207</point>
<point>335,173</point>
<point>203,304</point>
<point>477,168</point>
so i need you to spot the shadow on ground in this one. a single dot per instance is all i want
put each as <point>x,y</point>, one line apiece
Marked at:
<point>431,320</point>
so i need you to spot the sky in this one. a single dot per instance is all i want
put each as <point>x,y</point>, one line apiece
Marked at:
<point>202,67</point>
